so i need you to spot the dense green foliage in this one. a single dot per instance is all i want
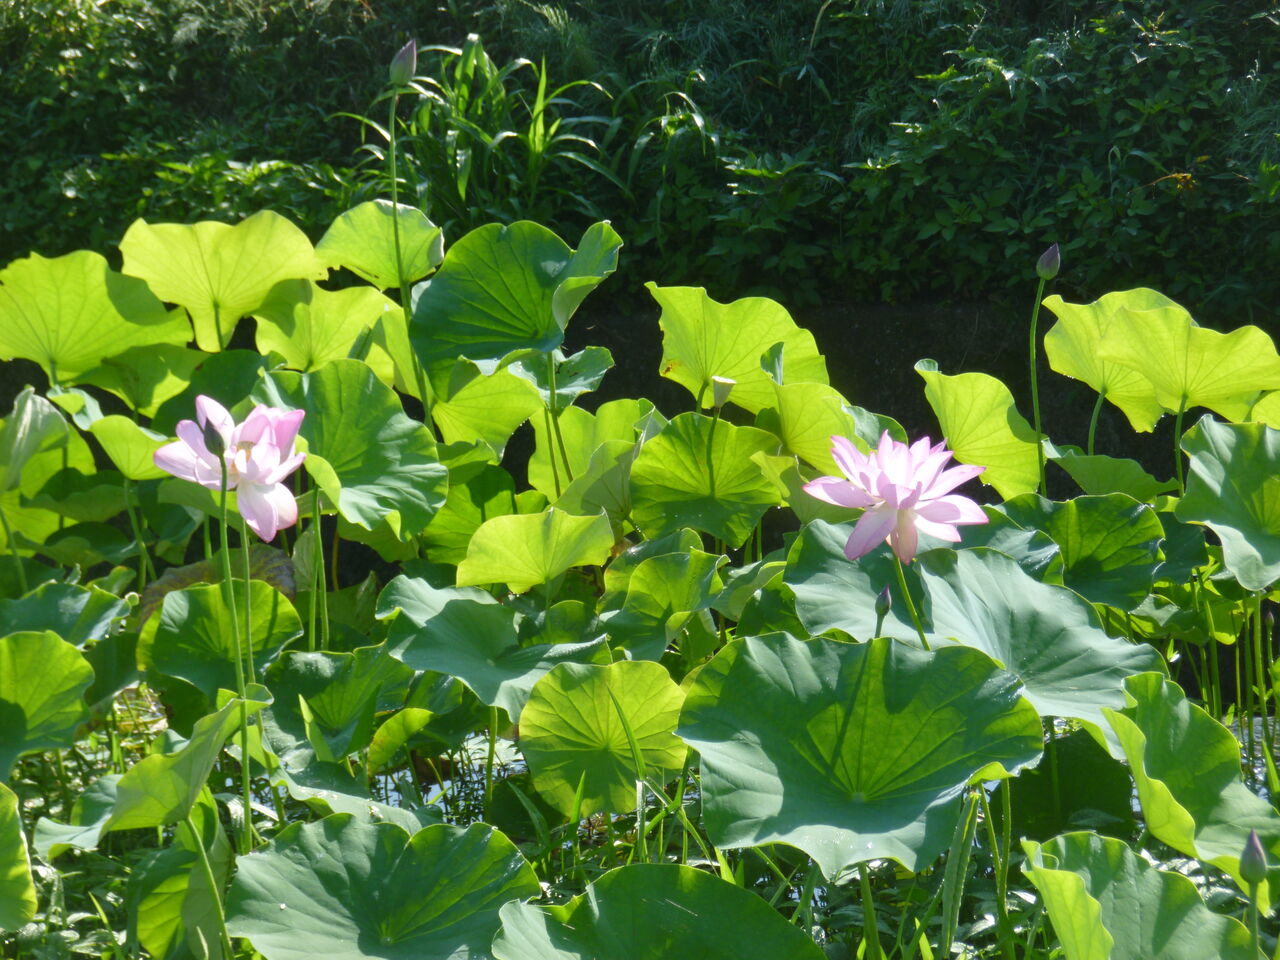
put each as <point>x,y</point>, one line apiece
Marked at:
<point>849,150</point>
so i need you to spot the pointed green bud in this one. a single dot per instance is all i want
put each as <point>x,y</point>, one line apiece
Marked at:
<point>1048,264</point>
<point>1253,862</point>
<point>405,64</point>
<point>884,603</point>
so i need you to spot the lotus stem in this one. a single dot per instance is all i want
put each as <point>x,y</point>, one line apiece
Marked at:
<point>13,549</point>
<point>229,598</point>
<point>1093,420</point>
<point>911,605</point>
<point>214,888</point>
<point>1035,386</point>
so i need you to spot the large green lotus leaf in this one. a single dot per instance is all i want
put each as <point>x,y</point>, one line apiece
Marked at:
<point>92,498</point>
<point>348,890</point>
<point>1187,768</point>
<point>982,426</point>
<point>309,326</point>
<point>70,312</point>
<point>832,592</point>
<point>383,463</point>
<point>34,426</point>
<point>171,906</point>
<point>574,730</point>
<point>162,789</point>
<point>583,434</point>
<point>1099,475</point>
<point>699,473</point>
<point>524,550</point>
<point>702,338</point>
<point>575,375</point>
<point>325,702</point>
<point>17,891</point>
<point>488,409</point>
<point>77,614</point>
<point>145,377</point>
<point>1267,410</point>
<point>663,594</point>
<point>1047,635</point>
<point>363,240</point>
<point>1034,551</point>
<point>1107,903</point>
<point>851,752</point>
<point>42,683</point>
<point>191,639</point>
<point>1110,545</point>
<point>604,485</point>
<point>1072,346</point>
<point>489,493</point>
<point>89,814</point>
<point>464,632</point>
<point>805,416</point>
<point>131,447</point>
<point>505,288</point>
<point>652,911</point>
<point>1189,365</point>
<point>1234,490</point>
<point>220,273</point>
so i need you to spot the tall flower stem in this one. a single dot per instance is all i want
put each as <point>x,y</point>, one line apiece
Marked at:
<point>553,408</point>
<point>424,388</point>
<point>244,839</point>
<point>1177,444</point>
<point>215,890</point>
<point>144,558</point>
<point>870,931</point>
<point>1093,420</point>
<point>13,549</point>
<point>250,670</point>
<point>1035,386</point>
<point>911,604</point>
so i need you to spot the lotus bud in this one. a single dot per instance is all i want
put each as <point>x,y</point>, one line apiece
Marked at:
<point>405,64</point>
<point>1048,264</point>
<point>721,387</point>
<point>884,603</point>
<point>213,439</point>
<point>1253,862</point>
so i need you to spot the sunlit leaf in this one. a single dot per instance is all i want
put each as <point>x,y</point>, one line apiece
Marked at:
<point>130,446</point>
<point>1072,346</point>
<point>698,473</point>
<point>982,426</point>
<point>702,338</point>
<point>17,891</point>
<point>220,273</point>
<point>1189,365</point>
<point>76,614</point>
<point>42,683</point>
<point>505,288</point>
<point>363,240</point>
<point>525,550</point>
<point>1234,490</point>
<point>70,312</point>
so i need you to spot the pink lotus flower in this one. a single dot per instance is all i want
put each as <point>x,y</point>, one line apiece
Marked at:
<point>258,454</point>
<point>903,490</point>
